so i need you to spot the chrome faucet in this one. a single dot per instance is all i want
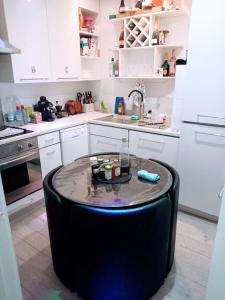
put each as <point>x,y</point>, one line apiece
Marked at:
<point>141,114</point>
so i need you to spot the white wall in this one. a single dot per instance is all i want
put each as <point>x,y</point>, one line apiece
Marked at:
<point>29,94</point>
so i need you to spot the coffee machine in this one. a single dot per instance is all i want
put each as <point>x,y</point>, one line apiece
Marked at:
<point>47,110</point>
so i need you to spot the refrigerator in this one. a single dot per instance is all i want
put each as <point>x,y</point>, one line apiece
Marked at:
<point>201,158</point>
<point>9,278</point>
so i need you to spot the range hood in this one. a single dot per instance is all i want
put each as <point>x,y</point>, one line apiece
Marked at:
<point>7,48</point>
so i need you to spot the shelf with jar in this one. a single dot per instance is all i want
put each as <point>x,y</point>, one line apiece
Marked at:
<point>89,36</point>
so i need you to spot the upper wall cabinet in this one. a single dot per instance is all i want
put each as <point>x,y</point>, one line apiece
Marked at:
<point>27,28</point>
<point>64,42</point>
<point>92,5</point>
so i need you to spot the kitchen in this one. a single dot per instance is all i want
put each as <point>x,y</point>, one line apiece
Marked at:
<point>64,51</point>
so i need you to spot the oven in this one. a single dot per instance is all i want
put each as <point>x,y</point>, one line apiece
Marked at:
<point>20,169</point>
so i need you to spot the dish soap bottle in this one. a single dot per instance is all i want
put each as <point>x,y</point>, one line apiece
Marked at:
<point>124,158</point>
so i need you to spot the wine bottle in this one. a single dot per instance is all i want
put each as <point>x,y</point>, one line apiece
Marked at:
<point>155,34</point>
<point>172,64</point>
<point>166,66</point>
<point>122,8</point>
<point>121,39</point>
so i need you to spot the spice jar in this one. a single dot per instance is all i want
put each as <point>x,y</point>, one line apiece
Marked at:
<point>116,172</point>
<point>95,169</point>
<point>108,172</point>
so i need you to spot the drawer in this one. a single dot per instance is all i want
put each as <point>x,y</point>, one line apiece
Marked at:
<point>50,158</point>
<point>48,139</point>
<point>101,144</point>
<point>108,131</point>
<point>153,146</point>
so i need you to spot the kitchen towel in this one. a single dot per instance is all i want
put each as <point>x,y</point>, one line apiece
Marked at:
<point>148,176</point>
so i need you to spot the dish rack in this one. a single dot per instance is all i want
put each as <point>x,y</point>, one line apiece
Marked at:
<point>138,31</point>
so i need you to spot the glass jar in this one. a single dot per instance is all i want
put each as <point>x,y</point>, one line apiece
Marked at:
<point>108,172</point>
<point>116,169</point>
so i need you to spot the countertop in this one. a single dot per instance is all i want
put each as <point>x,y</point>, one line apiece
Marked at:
<point>92,117</point>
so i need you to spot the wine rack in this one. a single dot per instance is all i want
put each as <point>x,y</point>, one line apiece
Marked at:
<point>138,31</point>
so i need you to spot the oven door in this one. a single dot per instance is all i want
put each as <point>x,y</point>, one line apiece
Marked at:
<point>21,176</point>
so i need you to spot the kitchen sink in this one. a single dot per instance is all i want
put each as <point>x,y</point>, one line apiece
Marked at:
<point>127,120</point>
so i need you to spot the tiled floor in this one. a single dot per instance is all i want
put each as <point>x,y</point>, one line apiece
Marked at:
<point>187,280</point>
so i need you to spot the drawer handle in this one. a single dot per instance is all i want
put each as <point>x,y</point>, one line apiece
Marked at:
<point>210,134</point>
<point>75,136</point>
<point>147,140</point>
<point>49,140</point>
<point>33,79</point>
<point>206,116</point>
<point>108,144</point>
<point>51,152</point>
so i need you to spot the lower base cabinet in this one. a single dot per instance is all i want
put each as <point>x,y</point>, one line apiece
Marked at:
<point>154,146</point>
<point>50,158</point>
<point>104,144</point>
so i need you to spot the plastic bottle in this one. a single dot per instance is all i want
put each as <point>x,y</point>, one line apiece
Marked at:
<point>124,158</point>
<point>112,68</point>
<point>19,116</point>
<point>24,114</point>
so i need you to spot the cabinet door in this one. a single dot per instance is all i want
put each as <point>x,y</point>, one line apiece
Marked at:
<point>102,144</point>
<point>147,145</point>
<point>64,42</point>
<point>50,159</point>
<point>27,29</point>
<point>201,163</point>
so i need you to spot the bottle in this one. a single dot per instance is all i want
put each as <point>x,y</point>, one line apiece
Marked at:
<point>112,68</point>
<point>116,169</point>
<point>24,114</point>
<point>155,34</point>
<point>122,8</point>
<point>131,39</point>
<point>166,66</point>
<point>172,64</point>
<point>117,68</point>
<point>137,32</point>
<point>124,158</point>
<point>139,4</point>
<point>19,116</point>
<point>121,39</point>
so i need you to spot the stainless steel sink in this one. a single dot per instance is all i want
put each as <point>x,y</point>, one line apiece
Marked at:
<point>127,120</point>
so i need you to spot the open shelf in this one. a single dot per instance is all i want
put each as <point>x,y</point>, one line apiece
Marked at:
<point>89,57</point>
<point>85,33</point>
<point>163,13</point>
<point>149,47</point>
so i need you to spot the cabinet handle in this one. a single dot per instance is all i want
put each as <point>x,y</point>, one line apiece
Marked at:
<point>75,136</point>
<point>207,116</point>
<point>152,141</point>
<point>33,79</point>
<point>66,70</point>
<point>51,152</point>
<point>210,133</point>
<point>108,144</point>
<point>220,196</point>
<point>66,78</point>
<point>49,139</point>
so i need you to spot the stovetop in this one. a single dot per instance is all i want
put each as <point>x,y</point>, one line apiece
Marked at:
<point>8,132</point>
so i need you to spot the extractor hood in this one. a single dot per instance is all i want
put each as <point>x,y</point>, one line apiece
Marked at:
<point>7,48</point>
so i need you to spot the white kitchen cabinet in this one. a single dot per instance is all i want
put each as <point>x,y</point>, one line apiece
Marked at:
<point>63,27</point>
<point>154,146</point>
<point>204,93</point>
<point>50,158</point>
<point>101,144</point>
<point>108,131</point>
<point>201,162</point>
<point>26,23</point>
<point>74,143</point>
<point>48,139</point>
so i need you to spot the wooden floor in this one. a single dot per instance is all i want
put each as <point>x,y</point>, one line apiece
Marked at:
<point>187,280</point>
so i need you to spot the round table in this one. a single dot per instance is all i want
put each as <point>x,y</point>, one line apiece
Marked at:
<point>75,182</point>
<point>111,241</point>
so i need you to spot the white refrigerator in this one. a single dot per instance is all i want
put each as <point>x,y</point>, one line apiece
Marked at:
<point>201,159</point>
<point>10,288</point>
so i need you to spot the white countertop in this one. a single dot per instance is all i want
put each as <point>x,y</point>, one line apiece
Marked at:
<point>64,123</point>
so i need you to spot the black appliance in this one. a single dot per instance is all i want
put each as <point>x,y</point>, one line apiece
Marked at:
<point>46,108</point>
